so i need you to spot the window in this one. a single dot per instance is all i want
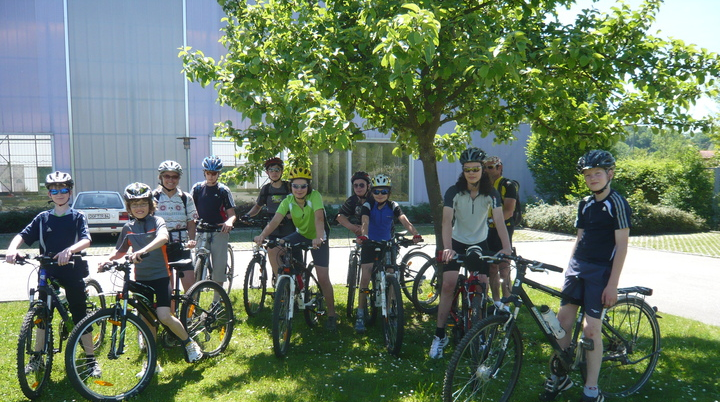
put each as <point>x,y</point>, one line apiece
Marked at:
<point>25,160</point>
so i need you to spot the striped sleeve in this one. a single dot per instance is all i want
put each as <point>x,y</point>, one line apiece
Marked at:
<point>623,211</point>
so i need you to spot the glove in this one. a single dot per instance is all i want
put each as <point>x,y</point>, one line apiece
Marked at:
<point>418,238</point>
<point>362,239</point>
<point>245,218</point>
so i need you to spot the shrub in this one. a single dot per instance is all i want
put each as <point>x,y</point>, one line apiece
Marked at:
<point>552,218</point>
<point>418,214</point>
<point>15,221</point>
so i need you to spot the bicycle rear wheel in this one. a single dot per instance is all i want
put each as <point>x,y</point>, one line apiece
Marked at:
<point>207,315</point>
<point>34,366</point>
<point>127,357</point>
<point>229,269</point>
<point>394,322</point>
<point>410,265</point>
<point>426,288</point>
<point>631,347</point>
<point>255,286</point>
<point>314,299</point>
<point>95,301</point>
<point>281,322</point>
<point>353,281</point>
<point>486,364</point>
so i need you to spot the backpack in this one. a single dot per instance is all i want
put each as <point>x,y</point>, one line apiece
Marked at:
<point>516,218</point>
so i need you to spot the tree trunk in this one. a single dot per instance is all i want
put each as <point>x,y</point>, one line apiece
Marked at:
<point>432,182</point>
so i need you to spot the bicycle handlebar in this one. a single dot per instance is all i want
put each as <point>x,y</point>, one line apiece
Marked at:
<point>535,266</point>
<point>119,266</point>
<point>47,259</point>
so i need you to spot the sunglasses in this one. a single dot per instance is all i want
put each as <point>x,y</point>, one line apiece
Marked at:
<point>274,170</point>
<point>383,192</point>
<point>300,186</point>
<point>491,167</point>
<point>61,191</point>
<point>171,177</point>
<point>472,169</point>
<point>359,185</point>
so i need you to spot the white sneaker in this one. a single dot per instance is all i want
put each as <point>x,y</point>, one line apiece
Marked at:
<point>158,370</point>
<point>194,353</point>
<point>93,367</point>
<point>436,349</point>
<point>35,364</point>
<point>141,342</point>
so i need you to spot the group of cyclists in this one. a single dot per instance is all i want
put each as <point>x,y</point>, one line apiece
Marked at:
<point>163,229</point>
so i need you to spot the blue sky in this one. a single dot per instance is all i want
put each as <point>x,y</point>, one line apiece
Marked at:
<point>693,21</point>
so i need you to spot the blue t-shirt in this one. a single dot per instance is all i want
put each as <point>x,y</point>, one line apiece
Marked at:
<point>58,232</point>
<point>382,224</point>
<point>212,202</point>
<point>599,221</point>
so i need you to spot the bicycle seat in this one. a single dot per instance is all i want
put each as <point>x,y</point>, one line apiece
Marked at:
<point>180,264</point>
<point>636,289</point>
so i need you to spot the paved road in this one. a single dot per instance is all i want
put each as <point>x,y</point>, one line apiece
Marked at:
<point>683,284</point>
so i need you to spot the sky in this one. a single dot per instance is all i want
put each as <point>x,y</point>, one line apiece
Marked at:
<point>693,21</point>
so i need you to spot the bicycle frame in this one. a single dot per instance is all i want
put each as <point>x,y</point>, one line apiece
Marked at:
<point>294,274</point>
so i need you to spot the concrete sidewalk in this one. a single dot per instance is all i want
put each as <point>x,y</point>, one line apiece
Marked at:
<point>682,283</point>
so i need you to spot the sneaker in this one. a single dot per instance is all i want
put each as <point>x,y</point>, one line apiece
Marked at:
<point>158,370</point>
<point>360,324</point>
<point>35,364</point>
<point>438,344</point>
<point>93,367</point>
<point>554,388</point>
<point>141,342</point>
<point>193,351</point>
<point>599,398</point>
<point>331,323</point>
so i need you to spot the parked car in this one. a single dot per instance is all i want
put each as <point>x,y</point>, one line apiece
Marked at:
<point>105,210</point>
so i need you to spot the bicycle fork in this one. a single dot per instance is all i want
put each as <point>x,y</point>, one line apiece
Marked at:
<point>380,299</point>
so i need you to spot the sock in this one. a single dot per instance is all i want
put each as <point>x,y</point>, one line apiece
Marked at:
<point>591,391</point>
<point>499,304</point>
<point>185,342</point>
<point>440,332</point>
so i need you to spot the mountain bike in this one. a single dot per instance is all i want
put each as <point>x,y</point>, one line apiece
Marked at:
<point>353,279</point>
<point>36,347</point>
<point>129,346</point>
<point>486,364</point>
<point>203,262</point>
<point>256,275</point>
<point>297,287</point>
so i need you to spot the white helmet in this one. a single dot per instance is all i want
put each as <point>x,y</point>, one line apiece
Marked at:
<point>59,178</point>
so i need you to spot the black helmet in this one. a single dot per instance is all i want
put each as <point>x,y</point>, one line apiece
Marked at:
<point>137,191</point>
<point>360,175</point>
<point>472,154</point>
<point>596,158</point>
<point>59,178</point>
<point>274,161</point>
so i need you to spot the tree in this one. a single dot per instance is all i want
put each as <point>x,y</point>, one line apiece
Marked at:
<point>301,72</point>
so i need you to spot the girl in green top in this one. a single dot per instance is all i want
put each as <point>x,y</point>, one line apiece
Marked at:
<point>306,209</point>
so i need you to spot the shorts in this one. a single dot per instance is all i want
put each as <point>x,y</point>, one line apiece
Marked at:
<point>493,239</point>
<point>584,285</point>
<point>162,291</point>
<point>321,255</point>
<point>367,254</point>
<point>285,228</point>
<point>475,266</point>
<point>75,294</point>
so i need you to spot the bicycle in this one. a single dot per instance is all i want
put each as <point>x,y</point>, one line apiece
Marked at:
<point>203,263</point>
<point>296,287</point>
<point>206,314</point>
<point>486,364</point>
<point>385,296</point>
<point>35,342</point>
<point>256,276</point>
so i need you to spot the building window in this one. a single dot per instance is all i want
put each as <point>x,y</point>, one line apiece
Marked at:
<point>25,160</point>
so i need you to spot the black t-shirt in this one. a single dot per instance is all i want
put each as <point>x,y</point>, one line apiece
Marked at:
<point>599,221</point>
<point>352,209</point>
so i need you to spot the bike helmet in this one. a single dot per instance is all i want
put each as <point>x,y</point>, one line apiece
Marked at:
<point>274,161</point>
<point>360,175</point>
<point>594,159</point>
<point>381,180</point>
<point>59,178</point>
<point>137,191</point>
<point>300,173</point>
<point>212,163</point>
<point>170,166</point>
<point>493,161</point>
<point>472,154</point>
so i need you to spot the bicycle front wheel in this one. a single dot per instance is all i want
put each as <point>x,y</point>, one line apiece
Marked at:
<point>207,315</point>
<point>394,321</point>
<point>426,288</point>
<point>255,286</point>
<point>313,298</point>
<point>353,280</point>
<point>95,302</point>
<point>631,347</point>
<point>127,357</point>
<point>35,351</point>
<point>229,269</point>
<point>201,269</point>
<point>281,322</point>
<point>486,364</point>
<point>410,265</point>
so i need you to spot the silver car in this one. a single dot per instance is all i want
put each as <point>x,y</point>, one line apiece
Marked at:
<point>105,210</point>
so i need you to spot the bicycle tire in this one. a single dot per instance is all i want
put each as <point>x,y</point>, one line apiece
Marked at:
<point>281,321</point>
<point>207,316</point>
<point>229,270</point>
<point>410,265</point>
<point>426,288</point>
<point>631,347</point>
<point>255,286</point>
<point>394,322</point>
<point>353,281</point>
<point>314,299</point>
<point>199,268</point>
<point>120,349</point>
<point>486,364</point>
<point>372,309</point>
<point>95,302</point>
<point>36,319</point>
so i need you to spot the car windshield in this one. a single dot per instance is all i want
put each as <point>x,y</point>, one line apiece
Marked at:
<point>89,201</point>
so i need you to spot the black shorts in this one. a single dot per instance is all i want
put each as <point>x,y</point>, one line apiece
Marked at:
<point>321,256</point>
<point>367,254</point>
<point>162,291</point>
<point>493,239</point>
<point>584,285</point>
<point>480,266</point>
<point>176,252</point>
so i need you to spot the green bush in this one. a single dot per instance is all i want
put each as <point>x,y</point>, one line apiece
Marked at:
<point>552,218</point>
<point>418,214</point>
<point>15,221</point>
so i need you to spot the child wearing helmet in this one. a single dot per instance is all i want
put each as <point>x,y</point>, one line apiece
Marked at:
<point>378,216</point>
<point>215,205</point>
<point>270,197</point>
<point>147,234</point>
<point>467,205</point>
<point>307,212</point>
<point>61,232</point>
<point>177,208</point>
<point>350,213</point>
<point>603,223</point>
